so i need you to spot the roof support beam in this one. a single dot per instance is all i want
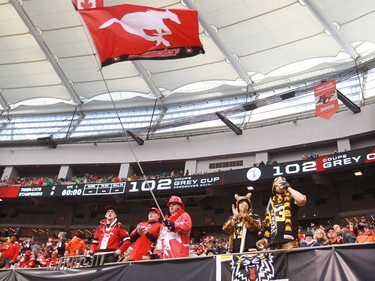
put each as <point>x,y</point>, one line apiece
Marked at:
<point>74,126</point>
<point>147,79</point>
<point>328,25</point>
<point>156,124</point>
<point>46,51</point>
<point>3,103</point>
<point>212,33</point>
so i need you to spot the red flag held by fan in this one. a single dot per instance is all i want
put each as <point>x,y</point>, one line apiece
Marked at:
<point>326,103</point>
<point>132,32</point>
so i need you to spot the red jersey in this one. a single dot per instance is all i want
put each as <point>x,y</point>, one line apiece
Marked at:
<point>175,244</point>
<point>107,238</point>
<point>10,250</point>
<point>142,242</point>
<point>29,263</point>
<point>54,262</point>
<point>45,262</point>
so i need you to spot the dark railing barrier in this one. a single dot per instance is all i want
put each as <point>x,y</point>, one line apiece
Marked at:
<point>81,261</point>
<point>352,262</point>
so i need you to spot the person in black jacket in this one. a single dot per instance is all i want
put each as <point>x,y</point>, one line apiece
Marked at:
<point>60,245</point>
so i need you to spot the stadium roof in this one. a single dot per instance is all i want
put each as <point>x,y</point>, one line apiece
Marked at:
<point>255,53</point>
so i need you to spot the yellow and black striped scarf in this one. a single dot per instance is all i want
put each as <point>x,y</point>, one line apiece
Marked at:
<point>287,213</point>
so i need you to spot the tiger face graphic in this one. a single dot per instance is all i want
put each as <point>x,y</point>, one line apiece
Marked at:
<point>252,267</point>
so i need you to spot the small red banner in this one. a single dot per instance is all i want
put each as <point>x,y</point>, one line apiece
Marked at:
<point>326,103</point>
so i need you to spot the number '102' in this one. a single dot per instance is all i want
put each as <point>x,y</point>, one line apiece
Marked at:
<point>296,168</point>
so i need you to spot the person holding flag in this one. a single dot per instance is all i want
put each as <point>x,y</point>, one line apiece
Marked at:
<point>174,237</point>
<point>280,222</point>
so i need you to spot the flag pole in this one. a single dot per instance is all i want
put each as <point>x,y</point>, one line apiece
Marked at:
<point>98,59</point>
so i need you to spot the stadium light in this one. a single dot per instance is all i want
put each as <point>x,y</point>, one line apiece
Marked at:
<point>227,122</point>
<point>135,137</point>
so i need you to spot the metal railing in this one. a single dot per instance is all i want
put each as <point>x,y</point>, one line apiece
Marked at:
<point>81,261</point>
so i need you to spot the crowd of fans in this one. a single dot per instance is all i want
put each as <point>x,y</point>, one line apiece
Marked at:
<point>31,253</point>
<point>314,155</point>
<point>88,178</point>
<point>27,253</point>
<point>362,232</point>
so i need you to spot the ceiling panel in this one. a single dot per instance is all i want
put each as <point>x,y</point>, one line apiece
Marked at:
<point>45,51</point>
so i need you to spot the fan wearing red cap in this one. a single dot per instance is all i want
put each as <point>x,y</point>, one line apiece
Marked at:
<point>145,235</point>
<point>109,235</point>
<point>174,238</point>
<point>28,261</point>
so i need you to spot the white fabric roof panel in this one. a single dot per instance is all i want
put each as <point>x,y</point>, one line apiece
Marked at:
<point>22,94</point>
<point>70,42</point>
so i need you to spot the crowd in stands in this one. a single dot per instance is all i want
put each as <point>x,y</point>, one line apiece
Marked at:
<point>87,178</point>
<point>27,253</point>
<point>360,233</point>
<point>313,155</point>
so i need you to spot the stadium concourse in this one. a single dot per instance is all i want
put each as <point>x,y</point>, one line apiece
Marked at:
<point>261,90</point>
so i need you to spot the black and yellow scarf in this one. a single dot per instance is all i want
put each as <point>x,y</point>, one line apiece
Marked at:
<point>270,219</point>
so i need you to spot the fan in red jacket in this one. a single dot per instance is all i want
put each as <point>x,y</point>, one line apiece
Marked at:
<point>174,237</point>
<point>109,235</point>
<point>28,261</point>
<point>54,261</point>
<point>10,250</point>
<point>145,235</point>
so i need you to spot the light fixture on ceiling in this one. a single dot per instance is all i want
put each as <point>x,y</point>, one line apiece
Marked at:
<point>346,101</point>
<point>230,125</point>
<point>288,95</point>
<point>357,172</point>
<point>250,188</point>
<point>135,137</point>
<point>250,106</point>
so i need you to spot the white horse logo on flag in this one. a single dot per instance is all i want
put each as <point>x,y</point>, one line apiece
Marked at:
<point>136,23</point>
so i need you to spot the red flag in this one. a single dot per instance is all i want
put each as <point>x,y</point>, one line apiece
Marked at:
<point>131,32</point>
<point>87,4</point>
<point>326,103</point>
